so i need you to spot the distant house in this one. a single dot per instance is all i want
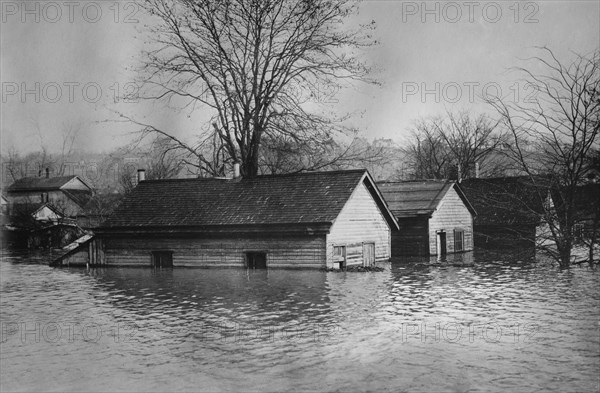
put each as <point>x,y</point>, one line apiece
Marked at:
<point>313,220</point>
<point>66,194</point>
<point>510,210</point>
<point>434,217</point>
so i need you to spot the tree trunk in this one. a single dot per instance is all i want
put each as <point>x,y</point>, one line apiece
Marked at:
<point>564,251</point>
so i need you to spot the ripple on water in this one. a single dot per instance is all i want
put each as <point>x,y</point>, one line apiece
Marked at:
<point>492,327</point>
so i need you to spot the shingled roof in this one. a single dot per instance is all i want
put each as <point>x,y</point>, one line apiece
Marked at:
<point>418,198</point>
<point>305,198</point>
<point>506,200</point>
<point>39,183</point>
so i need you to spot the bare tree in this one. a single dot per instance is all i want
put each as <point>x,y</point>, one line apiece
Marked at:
<point>285,155</point>
<point>164,161</point>
<point>427,153</point>
<point>70,133</point>
<point>561,128</point>
<point>260,66</point>
<point>453,146</point>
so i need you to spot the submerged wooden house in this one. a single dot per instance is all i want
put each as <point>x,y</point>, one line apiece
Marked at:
<point>434,217</point>
<point>511,210</point>
<point>312,220</point>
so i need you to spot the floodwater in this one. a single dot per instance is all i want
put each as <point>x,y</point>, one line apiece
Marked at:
<point>499,325</point>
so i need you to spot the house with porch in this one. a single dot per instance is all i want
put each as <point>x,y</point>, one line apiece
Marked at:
<point>305,220</point>
<point>434,217</point>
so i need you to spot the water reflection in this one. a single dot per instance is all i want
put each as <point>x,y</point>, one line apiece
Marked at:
<point>423,325</point>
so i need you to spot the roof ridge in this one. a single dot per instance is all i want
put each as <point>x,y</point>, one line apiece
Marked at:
<point>46,178</point>
<point>333,172</point>
<point>414,181</point>
<point>224,179</point>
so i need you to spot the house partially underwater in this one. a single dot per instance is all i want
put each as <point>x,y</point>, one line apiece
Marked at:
<point>66,194</point>
<point>434,217</point>
<point>306,220</point>
<point>42,212</point>
<point>511,211</point>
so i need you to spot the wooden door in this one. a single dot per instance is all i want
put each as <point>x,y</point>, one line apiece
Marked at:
<point>368,254</point>
<point>441,244</point>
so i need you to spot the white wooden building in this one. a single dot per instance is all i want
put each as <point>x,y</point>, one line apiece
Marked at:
<point>434,217</point>
<point>306,220</point>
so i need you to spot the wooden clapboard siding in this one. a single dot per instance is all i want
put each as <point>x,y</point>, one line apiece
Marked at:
<point>360,221</point>
<point>58,199</point>
<point>412,238</point>
<point>451,214</point>
<point>297,251</point>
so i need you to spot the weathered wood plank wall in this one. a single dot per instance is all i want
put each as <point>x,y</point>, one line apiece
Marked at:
<point>297,251</point>
<point>360,221</point>
<point>451,214</point>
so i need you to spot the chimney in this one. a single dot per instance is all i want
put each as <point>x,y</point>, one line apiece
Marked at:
<point>47,173</point>
<point>141,175</point>
<point>459,175</point>
<point>476,170</point>
<point>236,170</point>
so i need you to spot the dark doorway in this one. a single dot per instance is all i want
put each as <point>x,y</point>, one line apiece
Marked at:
<point>442,249</point>
<point>256,260</point>
<point>162,259</point>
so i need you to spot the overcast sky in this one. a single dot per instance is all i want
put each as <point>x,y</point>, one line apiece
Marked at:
<point>64,64</point>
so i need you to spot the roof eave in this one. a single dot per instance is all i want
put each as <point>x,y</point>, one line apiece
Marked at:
<point>380,201</point>
<point>316,228</point>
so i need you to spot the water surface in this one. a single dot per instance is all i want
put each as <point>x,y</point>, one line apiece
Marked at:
<point>500,325</point>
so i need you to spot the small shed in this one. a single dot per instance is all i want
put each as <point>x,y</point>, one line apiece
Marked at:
<point>305,220</point>
<point>434,217</point>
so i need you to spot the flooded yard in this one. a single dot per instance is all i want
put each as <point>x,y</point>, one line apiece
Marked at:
<point>499,325</point>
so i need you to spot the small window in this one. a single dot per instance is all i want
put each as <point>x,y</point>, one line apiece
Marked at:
<point>339,256</point>
<point>256,260</point>
<point>162,259</point>
<point>339,252</point>
<point>458,240</point>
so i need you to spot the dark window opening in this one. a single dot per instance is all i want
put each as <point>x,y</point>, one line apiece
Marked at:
<point>458,240</point>
<point>339,256</point>
<point>256,260</point>
<point>162,259</point>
